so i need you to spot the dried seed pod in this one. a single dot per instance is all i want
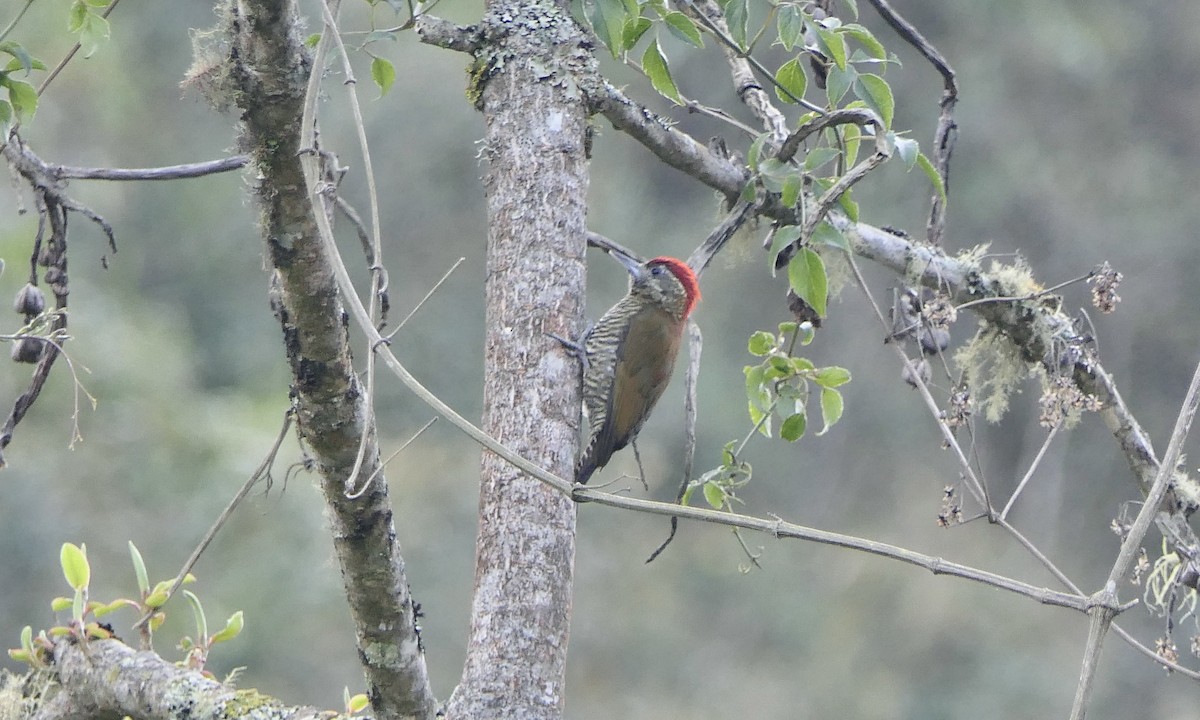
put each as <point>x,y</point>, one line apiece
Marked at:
<point>924,372</point>
<point>27,350</point>
<point>30,300</point>
<point>934,339</point>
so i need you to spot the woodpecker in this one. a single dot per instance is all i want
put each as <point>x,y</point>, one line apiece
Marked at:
<point>629,355</point>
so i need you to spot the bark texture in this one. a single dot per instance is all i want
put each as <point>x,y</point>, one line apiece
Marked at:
<point>536,187</point>
<point>109,679</point>
<point>268,70</point>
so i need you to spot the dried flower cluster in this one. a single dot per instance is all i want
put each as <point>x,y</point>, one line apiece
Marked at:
<point>959,411</point>
<point>951,513</point>
<point>1061,399</point>
<point>1165,649</point>
<point>1104,284</point>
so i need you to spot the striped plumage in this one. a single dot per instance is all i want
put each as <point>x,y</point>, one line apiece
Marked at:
<point>630,354</point>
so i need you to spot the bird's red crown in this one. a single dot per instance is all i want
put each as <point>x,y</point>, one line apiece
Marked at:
<point>686,277</point>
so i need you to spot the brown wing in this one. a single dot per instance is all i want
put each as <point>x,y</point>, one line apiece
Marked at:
<point>643,368</point>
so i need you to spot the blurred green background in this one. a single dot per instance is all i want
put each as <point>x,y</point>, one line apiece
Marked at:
<point>1077,146</point>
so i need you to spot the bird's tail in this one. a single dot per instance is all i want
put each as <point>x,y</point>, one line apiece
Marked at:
<point>594,458</point>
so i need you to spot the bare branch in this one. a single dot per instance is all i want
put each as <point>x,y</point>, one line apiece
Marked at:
<point>709,14</point>
<point>169,172</point>
<point>677,149</point>
<point>107,678</point>
<point>1103,604</point>
<point>443,33</point>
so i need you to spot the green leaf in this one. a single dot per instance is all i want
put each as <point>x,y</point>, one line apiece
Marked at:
<point>873,47</point>
<point>383,73</point>
<point>787,327</point>
<point>802,365</point>
<point>791,27</point>
<point>682,27</point>
<point>749,191</point>
<point>818,156</point>
<point>5,118</point>
<point>933,175</point>
<point>760,420</point>
<point>655,66</point>
<point>358,703</point>
<point>635,28</point>
<point>832,376</point>
<point>77,16</point>
<point>874,91</point>
<point>311,41</point>
<point>75,566</point>
<point>832,44</point>
<point>59,604</point>
<point>755,152</point>
<point>793,428</point>
<point>198,615</point>
<point>24,99</point>
<point>838,82</point>
<point>792,184</point>
<point>782,364</point>
<point>98,3</point>
<point>233,628</point>
<point>754,386</point>
<point>848,205</point>
<point>907,149</point>
<point>139,568</point>
<point>23,59</point>
<point>376,36</point>
<point>78,605</point>
<point>831,408</point>
<point>792,79</point>
<point>806,274</point>
<point>826,234</point>
<point>715,495</point>
<point>103,610</point>
<point>95,31</point>
<point>851,139</point>
<point>784,236</point>
<point>737,13</point>
<point>156,599</point>
<point>608,19</point>
<point>761,343</point>
<point>853,5</point>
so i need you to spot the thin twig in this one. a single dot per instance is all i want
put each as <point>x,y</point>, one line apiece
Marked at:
<point>329,16</point>
<point>1102,604</point>
<point>695,345</point>
<point>947,129</point>
<point>366,484</point>
<point>262,471</point>
<point>1025,298</point>
<point>977,487</point>
<point>15,20</point>
<point>169,172</point>
<point>428,295</point>
<point>1037,460</point>
<point>71,53</point>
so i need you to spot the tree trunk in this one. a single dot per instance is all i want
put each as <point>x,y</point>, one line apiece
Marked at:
<point>536,187</point>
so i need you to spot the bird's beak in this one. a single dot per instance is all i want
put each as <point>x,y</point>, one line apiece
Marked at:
<point>635,268</point>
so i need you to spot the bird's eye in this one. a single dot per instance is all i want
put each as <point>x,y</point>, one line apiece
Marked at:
<point>656,270</point>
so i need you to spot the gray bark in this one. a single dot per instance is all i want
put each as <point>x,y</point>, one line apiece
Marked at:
<point>269,71</point>
<point>536,187</point>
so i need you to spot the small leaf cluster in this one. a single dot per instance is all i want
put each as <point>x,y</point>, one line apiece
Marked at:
<point>621,24</point>
<point>719,484</point>
<point>89,24</point>
<point>22,98</point>
<point>84,622</point>
<point>844,50</point>
<point>781,385</point>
